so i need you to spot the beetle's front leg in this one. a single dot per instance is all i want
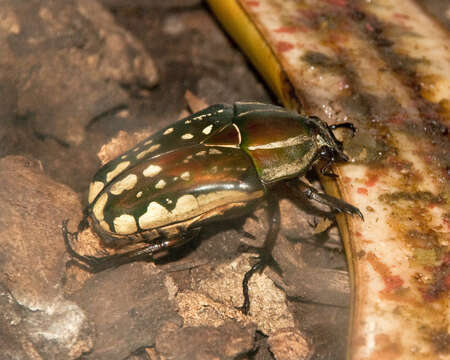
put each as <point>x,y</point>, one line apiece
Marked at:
<point>265,252</point>
<point>299,188</point>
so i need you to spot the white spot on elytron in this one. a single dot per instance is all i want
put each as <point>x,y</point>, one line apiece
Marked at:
<point>241,168</point>
<point>160,184</point>
<point>156,215</point>
<point>213,170</point>
<point>152,170</point>
<point>201,153</point>
<point>175,178</point>
<point>94,190</point>
<point>148,142</point>
<point>168,131</point>
<point>148,151</point>
<point>123,157</point>
<point>127,183</point>
<point>99,206</point>
<point>220,111</point>
<point>187,136</point>
<point>215,152</point>
<point>187,122</point>
<point>185,176</point>
<point>207,129</point>
<point>139,194</point>
<point>169,201</point>
<point>296,140</point>
<point>213,200</point>
<point>136,149</point>
<point>117,170</point>
<point>187,206</point>
<point>125,224</point>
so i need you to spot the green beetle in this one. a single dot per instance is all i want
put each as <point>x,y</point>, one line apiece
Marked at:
<point>216,164</point>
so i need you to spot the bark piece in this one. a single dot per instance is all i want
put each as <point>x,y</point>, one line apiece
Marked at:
<point>289,344</point>
<point>226,342</point>
<point>128,305</point>
<point>55,50</point>
<point>36,314</point>
<point>268,307</point>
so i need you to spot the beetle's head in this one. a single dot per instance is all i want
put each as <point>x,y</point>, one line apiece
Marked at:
<point>331,149</point>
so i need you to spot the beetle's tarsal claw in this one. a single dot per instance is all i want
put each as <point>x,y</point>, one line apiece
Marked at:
<point>334,203</point>
<point>351,210</point>
<point>359,213</point>
<point>341,206</point>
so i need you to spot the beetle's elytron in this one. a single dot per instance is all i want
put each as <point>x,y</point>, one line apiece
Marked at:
<point>216,164</point>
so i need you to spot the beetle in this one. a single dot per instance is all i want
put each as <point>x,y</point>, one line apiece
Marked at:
<point>217,164</point>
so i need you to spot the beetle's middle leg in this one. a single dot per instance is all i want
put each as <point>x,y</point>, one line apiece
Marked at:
<point>298,187</point>
<point>265,252</point>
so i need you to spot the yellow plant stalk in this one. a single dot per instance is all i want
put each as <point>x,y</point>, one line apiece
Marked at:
<point>385,66</point>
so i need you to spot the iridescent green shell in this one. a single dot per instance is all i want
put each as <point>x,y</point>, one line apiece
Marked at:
<point>214,164</point>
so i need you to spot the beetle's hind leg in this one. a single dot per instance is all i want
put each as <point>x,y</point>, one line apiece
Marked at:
<point>299,187</point>
<point>69,236</point>
<point>93,263</point>
<point>83,224</point>
<point>96,264</point>
<point>265,252</point>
